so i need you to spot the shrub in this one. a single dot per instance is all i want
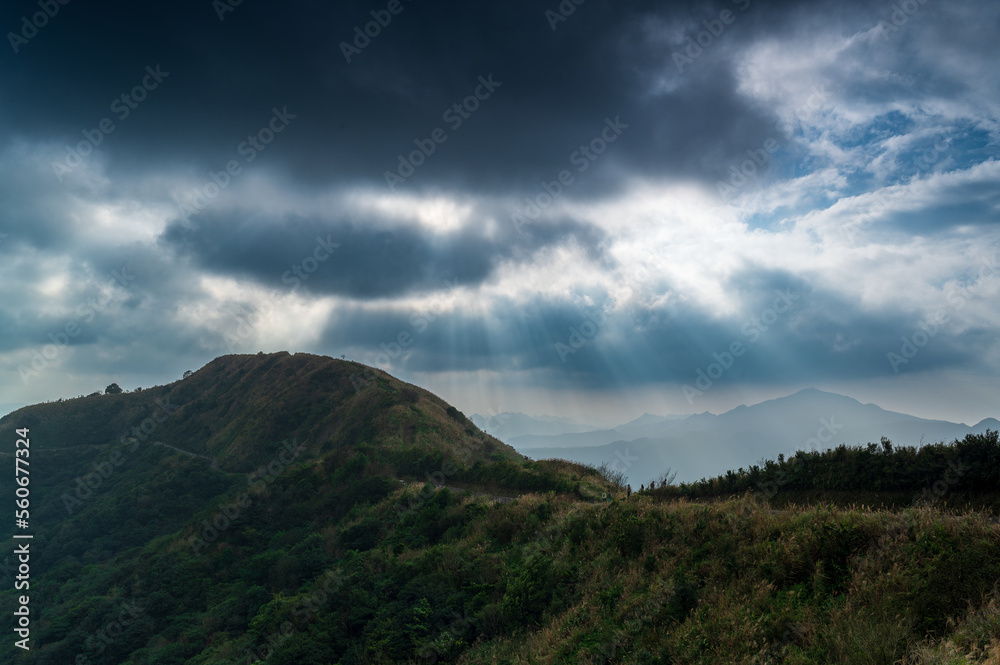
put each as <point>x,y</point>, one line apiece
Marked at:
<point>362,536</point>
<point>529,593</point>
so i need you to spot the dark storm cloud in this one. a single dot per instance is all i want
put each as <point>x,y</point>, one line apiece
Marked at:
<point>360,257</point>
<point>34,215</point>
<point>161,94</point>
<point>220,81</point>
<point>111,297</point>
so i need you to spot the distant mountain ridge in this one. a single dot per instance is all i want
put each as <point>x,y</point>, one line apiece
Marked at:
<point>707,444</point>
<point>510,425</point>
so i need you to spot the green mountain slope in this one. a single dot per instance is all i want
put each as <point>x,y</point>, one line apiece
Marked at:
<point>305,510</point>
<point>236,407</point>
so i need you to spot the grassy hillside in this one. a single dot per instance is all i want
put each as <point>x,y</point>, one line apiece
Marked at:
<point>236,407</point>
<point>289,515</point>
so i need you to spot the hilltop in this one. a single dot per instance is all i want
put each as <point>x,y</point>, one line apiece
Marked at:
<point>235,408</point>
<point>301,510</point>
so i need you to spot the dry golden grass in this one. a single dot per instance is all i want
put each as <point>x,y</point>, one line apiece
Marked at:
<point>763,597</point>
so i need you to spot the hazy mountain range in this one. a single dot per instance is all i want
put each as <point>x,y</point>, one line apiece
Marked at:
<point>707,444</point>
<point>518,425</point>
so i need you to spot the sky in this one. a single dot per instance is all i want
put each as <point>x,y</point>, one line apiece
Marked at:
<point>587,209</point>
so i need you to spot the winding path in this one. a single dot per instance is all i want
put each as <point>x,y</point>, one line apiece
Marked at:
<point>215,465</point>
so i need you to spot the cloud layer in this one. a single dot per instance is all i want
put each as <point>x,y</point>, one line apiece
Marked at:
<point>594,201</point>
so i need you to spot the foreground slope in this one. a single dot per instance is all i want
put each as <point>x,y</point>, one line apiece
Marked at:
<point>211,541</point>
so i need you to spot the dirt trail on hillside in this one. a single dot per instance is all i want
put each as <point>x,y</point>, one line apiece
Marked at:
<point>215,465</point>
<point>498,499</point>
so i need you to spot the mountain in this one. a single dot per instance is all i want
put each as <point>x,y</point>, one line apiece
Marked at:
<point>8,408</point>
<point>648,420</point>
<point>237,408</point>
<point>238,482</point>
<point>706,444</point>
<point>512,425</point>
<point>300,510</point>
<point>153,459</point>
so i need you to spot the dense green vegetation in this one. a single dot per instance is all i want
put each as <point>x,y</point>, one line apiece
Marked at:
<point>957,474</point>
<point>367,528</point>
